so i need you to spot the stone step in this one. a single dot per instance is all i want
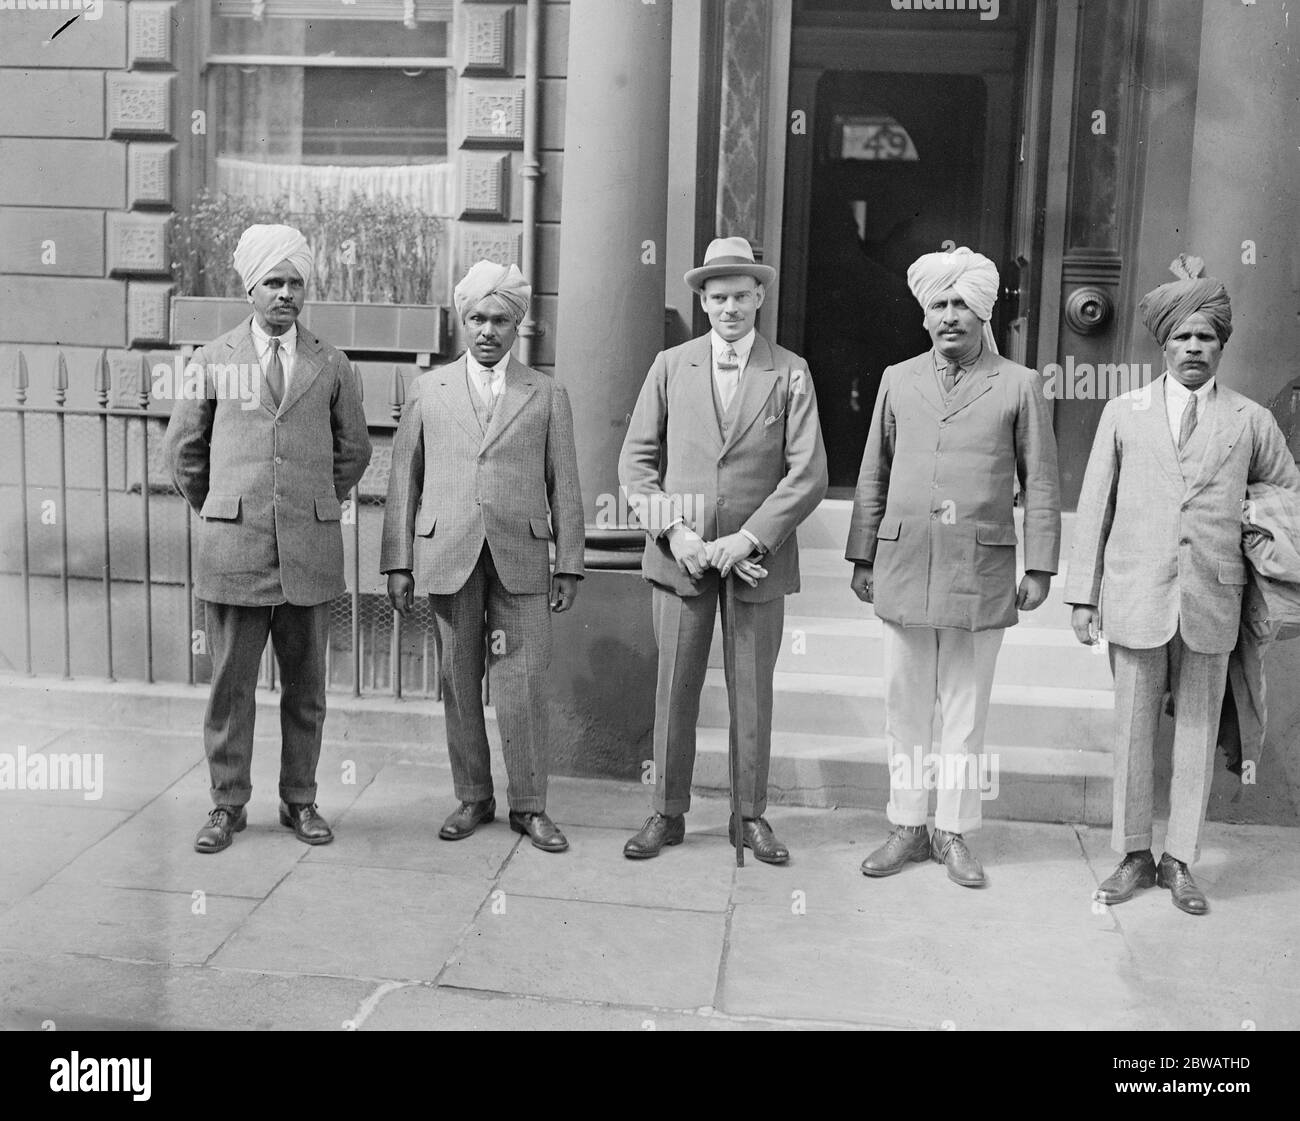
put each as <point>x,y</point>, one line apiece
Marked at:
<point>1030,716</point>
<point>1023,783</point>
<point>1029,655</point>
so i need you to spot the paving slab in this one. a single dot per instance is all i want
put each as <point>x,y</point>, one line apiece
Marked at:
<point>341,920</point>
<point>592,951</point>
<point>161,926</point>
<point>40,839</point>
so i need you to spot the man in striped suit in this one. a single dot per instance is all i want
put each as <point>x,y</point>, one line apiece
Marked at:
<point>470,525</point>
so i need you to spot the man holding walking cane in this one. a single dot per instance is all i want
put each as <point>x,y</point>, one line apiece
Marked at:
<point>723,459</point>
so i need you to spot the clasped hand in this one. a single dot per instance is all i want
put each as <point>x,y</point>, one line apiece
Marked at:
<point>727,554</point>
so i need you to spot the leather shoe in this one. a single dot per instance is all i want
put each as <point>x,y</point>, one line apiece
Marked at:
<point>659,830</point>
<point>223,823</point>
<point>544,832</point>
<point>1136,870</point>
<point>758,836</point>
<point>906,844</point>
<point>1174,875</point>
<point>949,849</point>
<point>467,817</point>
<point>306,822</point>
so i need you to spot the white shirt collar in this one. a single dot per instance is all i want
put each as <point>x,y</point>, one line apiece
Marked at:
<point>477,368</point>
<point>288,341</point>
<point>941,363</point>
<point>742,346</point>
<point>1177,392</point>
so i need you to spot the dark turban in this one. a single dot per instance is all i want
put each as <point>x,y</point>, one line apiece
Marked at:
<point>1168,307</point>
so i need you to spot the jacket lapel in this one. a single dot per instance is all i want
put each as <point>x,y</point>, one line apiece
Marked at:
<point>974,385</point>
<point>756,382</point>
<point>453,393</point>
<point>1155,425</point>
<point>924,380</point>
<point>307,364</point>
<point>699,385</point>
<point>520,384</point>
<point>1227,417</point>
<point>242,351</point>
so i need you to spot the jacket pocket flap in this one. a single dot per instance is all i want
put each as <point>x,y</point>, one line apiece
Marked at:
<point>221,507</point>
<point>541,527</point>
<point>425,521</point>
<point>995,533</point>
<point>1232,572</point>
<point>328,508</point>
<point>889,529</point>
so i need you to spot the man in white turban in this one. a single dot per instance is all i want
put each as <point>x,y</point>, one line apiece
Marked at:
<point>933,546</point>
<point>484,478</point>
<point>266,478</point>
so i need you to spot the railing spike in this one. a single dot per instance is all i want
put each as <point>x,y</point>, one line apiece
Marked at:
<point>103,379</point>
<point>60,379</point>
<point>397,393</point>
<point>21,380</point>
<point>146,381</point>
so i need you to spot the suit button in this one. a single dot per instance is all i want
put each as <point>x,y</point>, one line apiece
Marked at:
<point>278,459</point>
<point>722,501</point>
<point>934,515</point>
<point>1185,541</point>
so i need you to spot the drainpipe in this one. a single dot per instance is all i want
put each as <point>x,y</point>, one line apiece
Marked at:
<point>531,171</point>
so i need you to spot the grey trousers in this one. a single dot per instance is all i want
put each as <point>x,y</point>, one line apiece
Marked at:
<point>1197,682</point>
<point>518,642</point>
<point>684,631</point>
<point>236,638</point>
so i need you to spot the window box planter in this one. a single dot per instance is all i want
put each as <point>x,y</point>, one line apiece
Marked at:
<point>391,328</point>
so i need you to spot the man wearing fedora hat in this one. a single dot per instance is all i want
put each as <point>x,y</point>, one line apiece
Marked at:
<point>719,490</point>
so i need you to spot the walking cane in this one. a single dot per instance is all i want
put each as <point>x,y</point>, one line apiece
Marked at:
<point>733,735</point>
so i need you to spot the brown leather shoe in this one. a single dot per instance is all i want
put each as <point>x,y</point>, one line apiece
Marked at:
<point>758,836</point>
<point>659,830</point>
<point>467,817</point>
<point>1137,870</point>
<point>223,823</point>
<point>544,832</point>
<point>907,844</point>
<point>306,822</point>
<point>1174,875</point>
<point>949,849</point>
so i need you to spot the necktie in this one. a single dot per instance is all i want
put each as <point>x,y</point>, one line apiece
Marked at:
<point>489,397</point>
<point>1188,425</point>
<point>275,373</point>
<point>950,376</point>
<point>728,376</point>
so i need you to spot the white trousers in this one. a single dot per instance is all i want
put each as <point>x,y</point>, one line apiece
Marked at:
<point>925,665</point>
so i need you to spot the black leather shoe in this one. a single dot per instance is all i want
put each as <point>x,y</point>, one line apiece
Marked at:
<point>544,832</point>
<point>467,817</point>
<point>223,823</point>
<point>1136,870</point>
<point>758,836</point>
<point>306,822</point>
<point>1174,875</point>
<point>659,830</point>
<point>949,849</point>
<point>905,845</point>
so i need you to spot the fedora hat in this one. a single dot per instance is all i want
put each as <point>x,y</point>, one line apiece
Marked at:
<point>729,256</point>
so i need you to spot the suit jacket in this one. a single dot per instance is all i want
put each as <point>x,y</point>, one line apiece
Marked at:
<point>266,484</point>
<point>933,508</point>
<point>452,487</point>
<point>1158,554</point>
<point>766,477</point>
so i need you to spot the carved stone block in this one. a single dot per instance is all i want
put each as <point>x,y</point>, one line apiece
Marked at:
<point>149,174</point>
<point>147,304</point>
<point>493,114</point>
<point>150,38</point>
<point>485,185</point>
<point>502,245</point>
<point>487,33</point>
<point>138,244</point>
<point>139,103</point>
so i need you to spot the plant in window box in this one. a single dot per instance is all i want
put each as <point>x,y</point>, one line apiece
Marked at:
<point>377,283</point>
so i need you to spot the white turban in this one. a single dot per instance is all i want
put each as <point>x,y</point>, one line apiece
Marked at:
<point>486,279</point>
<point>263,248</point>
<point>973,275</point>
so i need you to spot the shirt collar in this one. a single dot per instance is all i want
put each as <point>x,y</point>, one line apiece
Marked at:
<point>1178,392</point>
<point>477,368</point>
<point>941,363</point>
<point>288,341</point>
<point>742,346</point>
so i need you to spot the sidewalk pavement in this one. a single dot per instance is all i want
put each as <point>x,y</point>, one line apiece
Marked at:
<point>109,919</point>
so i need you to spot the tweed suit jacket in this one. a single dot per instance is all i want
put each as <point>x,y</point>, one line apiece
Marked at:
<point>1157,554</point>
<point>267,483</point>
<point>452,487</point>
<point>933,508</point>
<point>766,477</point>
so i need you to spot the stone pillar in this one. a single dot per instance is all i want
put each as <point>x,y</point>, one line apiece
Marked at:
<point>614,221</point>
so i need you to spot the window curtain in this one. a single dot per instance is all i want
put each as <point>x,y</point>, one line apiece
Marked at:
<point>425,187</point>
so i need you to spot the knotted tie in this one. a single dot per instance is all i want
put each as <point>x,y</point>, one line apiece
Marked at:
<point>1188,425</point>
<point>950,376</point>
<point>728,376</point>
<point>275,372</point>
